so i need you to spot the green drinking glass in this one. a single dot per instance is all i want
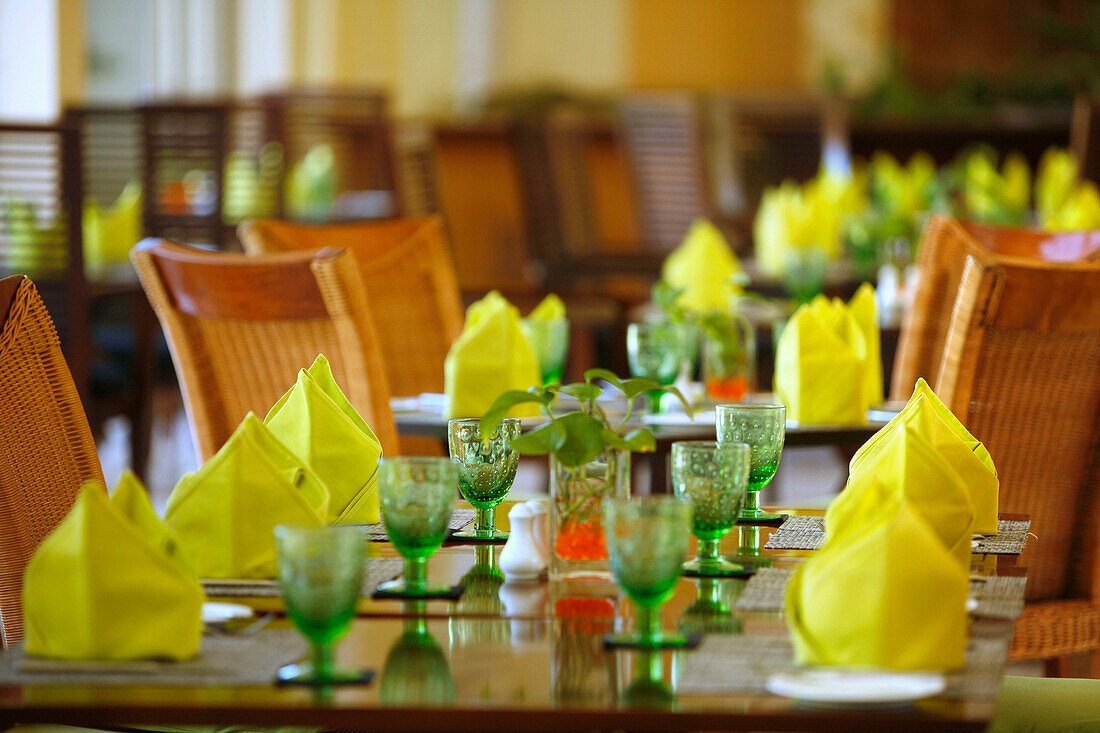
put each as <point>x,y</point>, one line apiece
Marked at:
<point>486,470</point>
<point>416,671</point>
<point>417,496</point>
<point>762,428</point>
<point>321,575</point>
<point>712,478</point>
<point>550,340</point>
<point>647,539</point>
<point>656,351</point>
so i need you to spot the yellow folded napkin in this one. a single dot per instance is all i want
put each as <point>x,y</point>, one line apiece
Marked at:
<point>317,423</point>
<point>550,308</point>
<point>110,233</point>
<point>109,584</point>
<point>704,266</point>
<point>224,515</point>
<point>906,468</point>
<point>489,357</point>
<point>930,418</point>
<point>865,312</point>
<point>820,365</point>
<point>890,596</point>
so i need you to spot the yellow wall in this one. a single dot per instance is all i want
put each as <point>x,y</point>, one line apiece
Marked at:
<point>742,45</point>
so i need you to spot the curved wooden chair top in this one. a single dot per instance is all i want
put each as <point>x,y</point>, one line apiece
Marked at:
<point>239,329</point>
<point>410,277</point>
<point>48,450</point>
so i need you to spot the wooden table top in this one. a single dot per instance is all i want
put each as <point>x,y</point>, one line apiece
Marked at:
<point>516,656</point>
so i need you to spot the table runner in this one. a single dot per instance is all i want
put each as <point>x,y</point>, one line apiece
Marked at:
<point>459,518</point>
<point>808,533</point>
<point>732,664</point>
<point>379,570</point>
<point>996,597</point>
<point>225,660</point>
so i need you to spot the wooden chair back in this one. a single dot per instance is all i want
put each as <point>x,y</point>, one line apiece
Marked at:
<point>943,250</point>
<point>239,329</point>
<point>1021,370</point>
<point>48,448</point>
<point>410,278</point>
<point>41,199</point>
<point>1084,134</point>
<point>663,132</point>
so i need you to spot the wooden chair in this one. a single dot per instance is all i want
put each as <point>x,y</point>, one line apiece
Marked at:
<point>943,250</point>
<point>48,448</point>
<point>410,278</point>
<point>1084,136</point>
<point>1021,370</point>
<point>239,329</point>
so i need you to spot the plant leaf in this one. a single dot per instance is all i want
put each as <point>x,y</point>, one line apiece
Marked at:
<point>547,438</point>
<point>583,390</point>
<point>500,407</point>
<point>613,440</point>
<point>638,385</point>
<point>640,440</point>
<point>583,441</point>
<point>606,375</point>
<point>683,400</point>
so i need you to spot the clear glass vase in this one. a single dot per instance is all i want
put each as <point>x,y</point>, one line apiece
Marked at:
<point>729,361</point>
<point>577,493</point>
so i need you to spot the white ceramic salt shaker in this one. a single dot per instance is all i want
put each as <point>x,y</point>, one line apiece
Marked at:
<point>540,523</point>
<point>521,559</point>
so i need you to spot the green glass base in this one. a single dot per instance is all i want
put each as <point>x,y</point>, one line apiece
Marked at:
<point>635,640</point>
<point>399,589</point>
<point>757,516</point>
<point>469,535</point>
<point>717,568</point>
<point>303,674</point>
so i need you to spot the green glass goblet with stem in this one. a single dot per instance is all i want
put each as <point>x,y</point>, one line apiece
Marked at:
<point>417,495</point>
<point>486,471</point>
<point>321,576</point>
<point>647,539</point>
<point>763,428</point>
<point>656,351</point>
<point>550,340</point>
<point>711,477</point>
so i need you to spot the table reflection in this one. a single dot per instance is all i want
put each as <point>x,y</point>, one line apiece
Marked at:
<point>416,671</point>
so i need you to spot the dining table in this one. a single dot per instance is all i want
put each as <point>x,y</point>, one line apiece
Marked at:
<point>529,655</point>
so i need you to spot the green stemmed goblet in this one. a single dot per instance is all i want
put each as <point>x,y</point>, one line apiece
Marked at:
<point>647,539</point>
<point>418,494</point>
<point>762,428</point>
<point>656,351</point>
<point>486,470</point>
<point>321,574</point>
<point>550,340</point>
<point>712,477</point>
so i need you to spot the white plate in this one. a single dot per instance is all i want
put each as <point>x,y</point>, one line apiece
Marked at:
<point>219,613</point>
<point>855,687</point>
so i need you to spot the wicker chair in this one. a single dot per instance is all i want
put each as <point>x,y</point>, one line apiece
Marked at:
<point>407,268</point>
<point>1021,370</point>
<point>48,452</point>
<point>239,329</point>
<point>944,247</point>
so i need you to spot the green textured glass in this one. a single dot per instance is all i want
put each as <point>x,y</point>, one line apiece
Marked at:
<point>647,539</point>
<point>417,494</point>
<point>550,340</point>
<point>416,670</point>
<point>763,428</point>
<point>321,575</point>
<point>486,470</point>
<point>712,478</point>
<point>656,351</point>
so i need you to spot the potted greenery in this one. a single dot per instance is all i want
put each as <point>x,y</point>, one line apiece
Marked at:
<point>589,461</point>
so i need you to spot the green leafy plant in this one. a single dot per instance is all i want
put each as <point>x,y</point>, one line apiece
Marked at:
<point>579,436</point>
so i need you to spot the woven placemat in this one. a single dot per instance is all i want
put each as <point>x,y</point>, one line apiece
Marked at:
<point>379,570</point>
<point>224,661</point>
<point>459,518</point>
<point>729,664</point>
<point>995,597</point>
<point>808,533</point>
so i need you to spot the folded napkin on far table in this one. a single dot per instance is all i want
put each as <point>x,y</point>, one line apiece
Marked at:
<point>110,233</point>
<point>224,514</point>
<point>905,468</point>
<point>109,584</point>
<point>821,364</point>
<point>928,417</point>
<point>491,356</point>
<point>317,423</point>
<point>704,267</point>
<point>889,596</point>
